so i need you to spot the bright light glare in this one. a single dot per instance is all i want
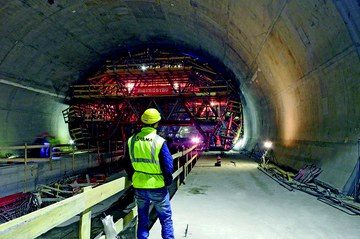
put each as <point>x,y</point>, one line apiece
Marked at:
<point>71,141</point>
<point>239,144</point>
<point>130,86</point>
<point>268,144</point>
<point>195,140</point>
<point>143,67</point>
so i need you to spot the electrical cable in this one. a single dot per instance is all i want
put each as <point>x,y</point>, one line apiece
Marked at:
<point>324,196</point>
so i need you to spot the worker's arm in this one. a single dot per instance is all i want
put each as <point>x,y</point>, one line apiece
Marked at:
<point>166,164</point>
<point>127,164</point>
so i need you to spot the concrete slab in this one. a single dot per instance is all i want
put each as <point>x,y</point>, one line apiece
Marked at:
<point>237,201</point>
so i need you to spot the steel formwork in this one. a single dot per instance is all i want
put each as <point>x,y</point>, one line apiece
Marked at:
<point>186,92</point>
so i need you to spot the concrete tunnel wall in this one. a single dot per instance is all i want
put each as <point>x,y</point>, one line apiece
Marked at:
<point>297,63</point>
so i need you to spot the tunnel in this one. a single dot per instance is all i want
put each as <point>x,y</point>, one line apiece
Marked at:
<point>295,66</point>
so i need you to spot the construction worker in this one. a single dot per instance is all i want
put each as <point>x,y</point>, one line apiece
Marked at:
<point>149,166</point>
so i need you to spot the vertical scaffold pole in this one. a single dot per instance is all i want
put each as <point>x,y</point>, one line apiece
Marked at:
<point>178,178</point>
<point>73,158</point>
<point>50,157</point>
<point>185,166</point>
<point>85,221</point>
<point>25,168</point>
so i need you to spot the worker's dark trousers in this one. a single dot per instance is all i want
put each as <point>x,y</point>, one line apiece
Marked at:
<point>161,200</point>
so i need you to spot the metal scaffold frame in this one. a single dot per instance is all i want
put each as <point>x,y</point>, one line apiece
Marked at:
<point>186,92</point>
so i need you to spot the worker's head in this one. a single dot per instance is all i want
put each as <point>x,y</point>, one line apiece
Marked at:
<point>150,116</point>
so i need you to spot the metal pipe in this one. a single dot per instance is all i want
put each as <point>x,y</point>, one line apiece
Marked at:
<point>30,88</point>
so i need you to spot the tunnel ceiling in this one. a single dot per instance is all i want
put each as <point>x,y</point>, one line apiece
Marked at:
<point>56,44</point>
<point>50,44</point>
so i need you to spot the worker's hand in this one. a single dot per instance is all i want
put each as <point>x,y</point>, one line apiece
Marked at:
<point>168,181</point>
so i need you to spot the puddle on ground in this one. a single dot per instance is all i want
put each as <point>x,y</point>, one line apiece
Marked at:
<point>198,190</point>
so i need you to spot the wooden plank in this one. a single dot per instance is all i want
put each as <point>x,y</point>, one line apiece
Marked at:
<point>177,155</point>
<point>177,172</point>
<point>22,160</point>
<point>85,221</point>
<point>182,153</point>
<point>50,199</point>
<point>12,147</point>
<point>38,222</point>
<point>190,161</point>
<point>123,222</point>
<point>42,220</point>
<point>91,86</point>
<point>55,189</point>
<point>86,90</point>
<point>23,147</point>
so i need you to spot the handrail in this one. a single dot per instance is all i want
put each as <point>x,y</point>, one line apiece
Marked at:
<point>38,222</point>
<point>26,158</point>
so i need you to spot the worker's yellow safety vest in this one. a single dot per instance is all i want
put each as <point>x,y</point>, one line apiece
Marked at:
<point>144,149</point>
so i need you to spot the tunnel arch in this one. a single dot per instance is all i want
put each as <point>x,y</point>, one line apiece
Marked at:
<point>297,64</point>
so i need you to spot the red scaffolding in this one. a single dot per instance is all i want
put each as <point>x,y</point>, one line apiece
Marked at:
<point>187,93</point>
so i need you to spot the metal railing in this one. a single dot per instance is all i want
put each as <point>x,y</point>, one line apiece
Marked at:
<point>36,223</point>
<point>64,149</point>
